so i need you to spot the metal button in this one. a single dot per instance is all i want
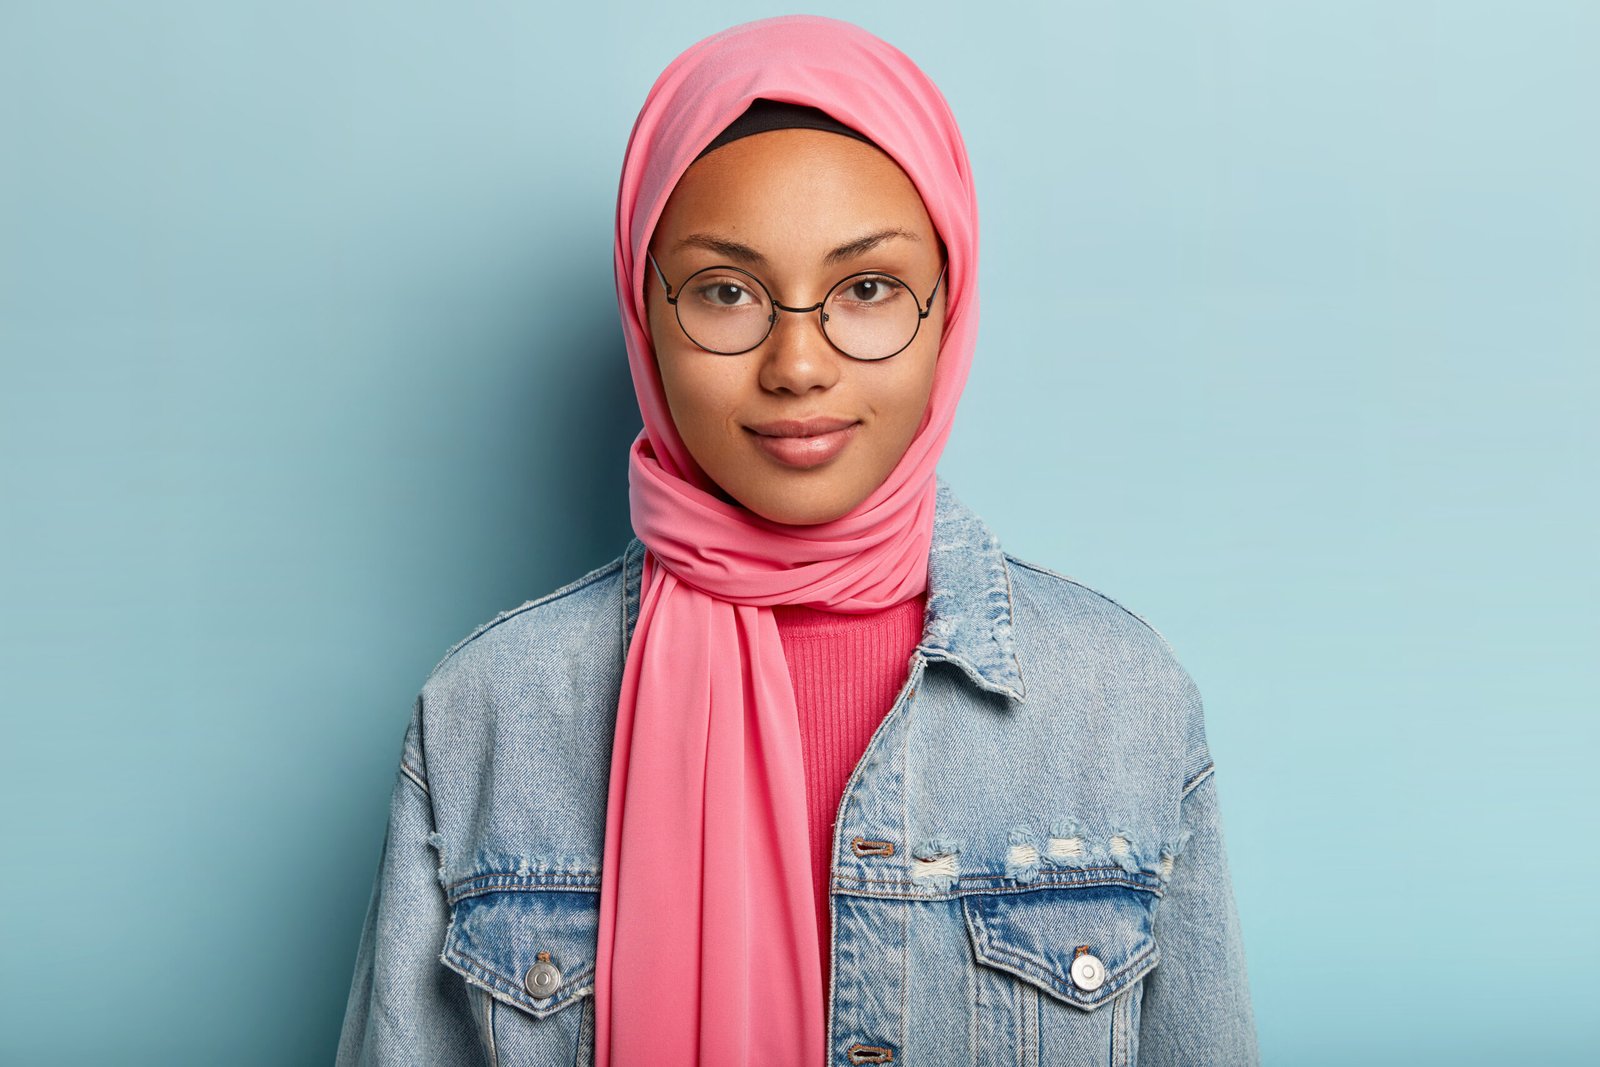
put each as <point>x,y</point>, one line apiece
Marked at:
<point>1088,972</point>
<point>542,978</point>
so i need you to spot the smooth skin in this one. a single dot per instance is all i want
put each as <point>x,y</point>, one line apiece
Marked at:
<point>792,197</point>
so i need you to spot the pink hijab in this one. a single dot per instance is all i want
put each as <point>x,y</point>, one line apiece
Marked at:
<point>707,944</point>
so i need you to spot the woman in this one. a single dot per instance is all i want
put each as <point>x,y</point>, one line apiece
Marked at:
<point>814,772</point>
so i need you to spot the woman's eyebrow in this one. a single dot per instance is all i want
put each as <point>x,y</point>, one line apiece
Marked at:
<point>866,244</point>
<point>725,246</point>
<point>722,246</point>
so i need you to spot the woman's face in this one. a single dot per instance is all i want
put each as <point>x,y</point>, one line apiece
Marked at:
<point>799,209</point>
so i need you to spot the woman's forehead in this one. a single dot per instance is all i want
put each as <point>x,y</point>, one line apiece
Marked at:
<point>793,190</point>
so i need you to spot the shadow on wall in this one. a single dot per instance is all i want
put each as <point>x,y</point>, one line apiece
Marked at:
<point>585,446</point>
<point>550,499</point>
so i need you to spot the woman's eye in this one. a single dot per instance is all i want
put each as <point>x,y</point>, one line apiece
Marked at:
<point>871,290</point>
<point>725,294</point>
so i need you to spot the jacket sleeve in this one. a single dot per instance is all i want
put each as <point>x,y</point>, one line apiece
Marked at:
<point>405,1006</point>
<point>1196,1007</point>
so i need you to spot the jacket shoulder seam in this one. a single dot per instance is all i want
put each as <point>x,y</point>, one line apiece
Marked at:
<point>599,573</point>
<point>1199,776</point>
<point>416,776</point>
<point>1140,619</point>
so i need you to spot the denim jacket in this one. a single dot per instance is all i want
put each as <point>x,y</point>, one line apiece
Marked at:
<point>1027,866</point>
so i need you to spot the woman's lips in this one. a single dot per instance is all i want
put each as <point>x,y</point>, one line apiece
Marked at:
<point>802,451</point>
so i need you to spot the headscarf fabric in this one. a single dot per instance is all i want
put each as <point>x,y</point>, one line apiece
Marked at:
<point>707,949</point>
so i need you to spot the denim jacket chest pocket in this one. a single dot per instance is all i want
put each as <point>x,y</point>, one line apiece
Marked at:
<point>528,957</point>
<point>1052,974</point>
<point>1058,971</point>
<point>1081,945</point>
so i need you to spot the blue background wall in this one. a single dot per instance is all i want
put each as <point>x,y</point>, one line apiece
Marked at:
<point>310,364</point>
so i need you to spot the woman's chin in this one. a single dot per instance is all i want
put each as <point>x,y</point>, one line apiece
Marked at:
<point>798,501</point>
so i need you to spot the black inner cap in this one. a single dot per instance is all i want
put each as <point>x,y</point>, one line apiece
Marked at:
<point>763,115</point>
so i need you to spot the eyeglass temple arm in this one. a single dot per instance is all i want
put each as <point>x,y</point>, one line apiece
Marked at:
<point>922,314</point>
<point>673,300</point>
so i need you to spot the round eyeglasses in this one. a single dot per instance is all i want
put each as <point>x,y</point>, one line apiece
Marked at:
<point>868,315</point>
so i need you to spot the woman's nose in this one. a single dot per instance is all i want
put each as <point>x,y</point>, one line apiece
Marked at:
<point>797,356</point>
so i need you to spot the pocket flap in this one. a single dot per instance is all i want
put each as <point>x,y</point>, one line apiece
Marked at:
<point>1037,934</point>
<point>517,944</point>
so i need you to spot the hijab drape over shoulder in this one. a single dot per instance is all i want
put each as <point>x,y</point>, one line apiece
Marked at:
<point>707,940</point>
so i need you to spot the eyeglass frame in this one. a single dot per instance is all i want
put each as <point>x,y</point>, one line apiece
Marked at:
<point>822,322</point>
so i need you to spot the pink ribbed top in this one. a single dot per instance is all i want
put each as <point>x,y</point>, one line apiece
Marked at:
<point>846,669</point>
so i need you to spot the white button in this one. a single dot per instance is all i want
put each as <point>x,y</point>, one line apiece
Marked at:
<point>1088,972</point>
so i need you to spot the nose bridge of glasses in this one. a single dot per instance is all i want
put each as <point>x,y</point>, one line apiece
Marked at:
<point>799,311</point>
<point>820,326</point>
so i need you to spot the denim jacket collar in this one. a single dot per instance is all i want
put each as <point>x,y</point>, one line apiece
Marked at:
<point>969,616</point>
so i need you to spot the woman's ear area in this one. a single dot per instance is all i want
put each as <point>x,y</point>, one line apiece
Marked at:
<point>940,304</point>
<point>650,285</point>
<point>644,292</point>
